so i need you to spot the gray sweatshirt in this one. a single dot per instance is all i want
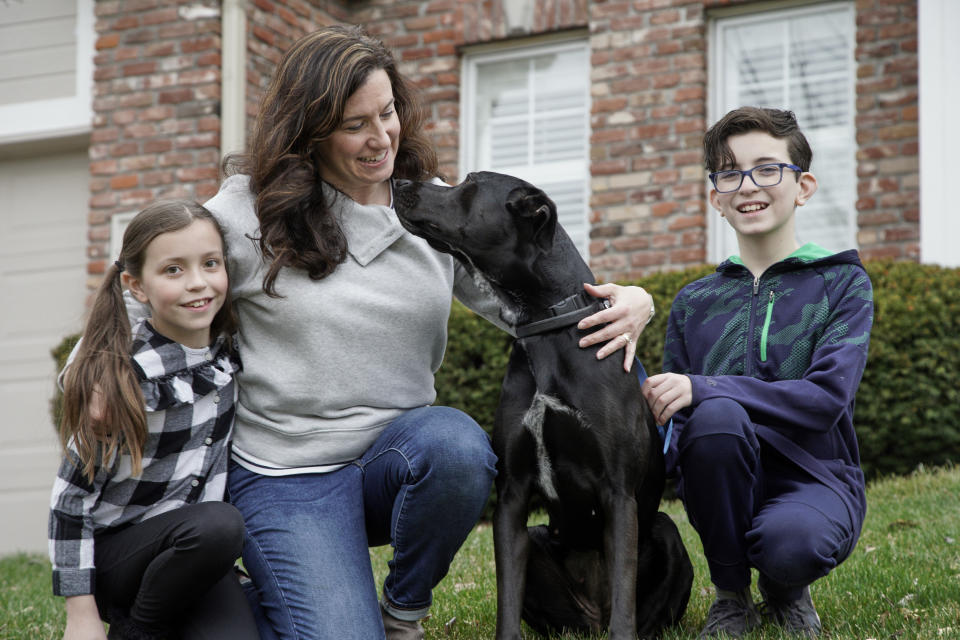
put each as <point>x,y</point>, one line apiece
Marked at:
<point>331,363</point>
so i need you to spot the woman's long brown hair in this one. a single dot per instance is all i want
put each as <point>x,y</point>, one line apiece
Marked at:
<point>103,407</point>
<point>302,107</point>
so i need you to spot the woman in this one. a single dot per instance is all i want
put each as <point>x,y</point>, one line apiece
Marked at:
<point>343,323</point>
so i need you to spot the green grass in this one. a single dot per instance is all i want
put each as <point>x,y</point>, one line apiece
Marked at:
<point>902,581</point>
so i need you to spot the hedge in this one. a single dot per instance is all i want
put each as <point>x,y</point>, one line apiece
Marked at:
<point>908,405</point>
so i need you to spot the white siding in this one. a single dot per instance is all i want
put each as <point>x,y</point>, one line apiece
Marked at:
<point>43,286</point>
<point>46,68</point>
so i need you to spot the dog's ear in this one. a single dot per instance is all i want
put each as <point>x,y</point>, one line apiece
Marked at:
<point>534,205</point>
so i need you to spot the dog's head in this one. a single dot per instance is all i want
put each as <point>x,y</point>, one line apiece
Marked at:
<point>495,224</point>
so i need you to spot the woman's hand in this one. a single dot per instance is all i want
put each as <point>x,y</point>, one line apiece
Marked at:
<point>83,619</point>
<point>631,309</point>
<point>667,393</point>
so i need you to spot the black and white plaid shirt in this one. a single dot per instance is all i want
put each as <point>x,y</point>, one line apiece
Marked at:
<point>190,396</point>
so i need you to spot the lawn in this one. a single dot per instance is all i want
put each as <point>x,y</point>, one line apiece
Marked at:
<point>902,581</point>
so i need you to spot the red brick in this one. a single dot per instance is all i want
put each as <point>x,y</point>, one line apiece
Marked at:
<point>103,167</point>
<point>648,258</point>
<point>899,131</point>
<point>688,256</point>
<point>139,69</point>
<point>629,244</point>
<point>174,96</point>
<point>880,253</point>
<point>196,174</point>
<point>662,209</point>
<point>680,223</point>
<point>124,182</point>
<point>108,41</point>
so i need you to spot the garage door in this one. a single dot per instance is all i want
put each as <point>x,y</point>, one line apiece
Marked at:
<point>43,216</point>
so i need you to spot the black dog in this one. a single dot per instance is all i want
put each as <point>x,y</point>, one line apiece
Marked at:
<point>569,428</point>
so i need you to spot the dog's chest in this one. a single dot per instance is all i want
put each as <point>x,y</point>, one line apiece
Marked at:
<point>550,421</point>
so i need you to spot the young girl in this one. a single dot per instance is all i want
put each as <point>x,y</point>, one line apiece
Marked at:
<point>139,535</point>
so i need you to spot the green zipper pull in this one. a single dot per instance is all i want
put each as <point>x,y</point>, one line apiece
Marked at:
<point>766,329</point>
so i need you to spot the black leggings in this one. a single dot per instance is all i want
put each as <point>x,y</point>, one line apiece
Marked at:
<point>172,574</point>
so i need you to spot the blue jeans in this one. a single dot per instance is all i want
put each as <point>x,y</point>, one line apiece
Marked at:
<point>421,487</point>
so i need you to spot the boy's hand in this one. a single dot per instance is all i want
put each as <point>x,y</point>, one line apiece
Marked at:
<point>83,619</point>
<point>667,393</point>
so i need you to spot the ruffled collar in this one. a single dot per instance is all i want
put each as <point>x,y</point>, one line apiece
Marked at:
<point>369,229</point>
<point>171,373</point>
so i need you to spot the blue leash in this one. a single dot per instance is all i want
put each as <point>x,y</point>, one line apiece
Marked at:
<point>665,431</point>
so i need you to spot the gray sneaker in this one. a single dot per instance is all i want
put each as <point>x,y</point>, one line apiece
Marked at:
<point>798,617</point>
<point>731,617</point>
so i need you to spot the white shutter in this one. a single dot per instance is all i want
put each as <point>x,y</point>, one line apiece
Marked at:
<point>525,113</point>
<point>802,60</point>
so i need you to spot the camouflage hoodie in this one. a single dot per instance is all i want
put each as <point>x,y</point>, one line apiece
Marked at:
<point>790,347</point>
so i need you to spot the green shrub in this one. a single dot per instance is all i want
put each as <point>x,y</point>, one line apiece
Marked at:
<point>908,405</point>
<point>473,365</point>
<point>60,354</point>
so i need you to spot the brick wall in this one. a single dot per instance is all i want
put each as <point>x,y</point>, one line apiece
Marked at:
<point>157,91</point>
<point>888,186</point>
<point>649,91</point>
<point>156,128</point>
<point>274,25</point>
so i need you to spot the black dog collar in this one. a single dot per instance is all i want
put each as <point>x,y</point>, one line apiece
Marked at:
<point>567,312</point>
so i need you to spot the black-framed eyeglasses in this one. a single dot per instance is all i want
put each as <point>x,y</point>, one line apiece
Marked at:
<point>763,175</point>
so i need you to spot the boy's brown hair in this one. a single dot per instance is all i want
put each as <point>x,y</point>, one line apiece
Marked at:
<point>778,123</point>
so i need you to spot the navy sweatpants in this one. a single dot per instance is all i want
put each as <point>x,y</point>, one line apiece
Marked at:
<point>754,508</point>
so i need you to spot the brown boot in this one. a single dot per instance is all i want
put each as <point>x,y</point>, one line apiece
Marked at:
<point>397,629</point>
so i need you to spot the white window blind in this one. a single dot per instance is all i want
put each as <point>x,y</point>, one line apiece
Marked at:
<point>801,60</point>
<point>525,113</point>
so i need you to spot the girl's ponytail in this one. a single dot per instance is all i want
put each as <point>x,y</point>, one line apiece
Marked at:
<point>103,410</point>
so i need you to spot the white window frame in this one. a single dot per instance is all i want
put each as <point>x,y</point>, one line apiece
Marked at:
<point>939,130</point>
<point>58,117</point>
<point>722,241</point>
<point>486,54</point>
<point>118,224</point>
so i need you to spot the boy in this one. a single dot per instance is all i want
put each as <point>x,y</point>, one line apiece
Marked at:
<point>762,360</point>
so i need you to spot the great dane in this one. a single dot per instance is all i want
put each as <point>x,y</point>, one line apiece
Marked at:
<point>573,430</point>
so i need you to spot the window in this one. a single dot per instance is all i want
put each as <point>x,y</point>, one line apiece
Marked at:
<point>525,112</point>
<point>802,60</point>
<point>46,68</point>
<point>118,225</point>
